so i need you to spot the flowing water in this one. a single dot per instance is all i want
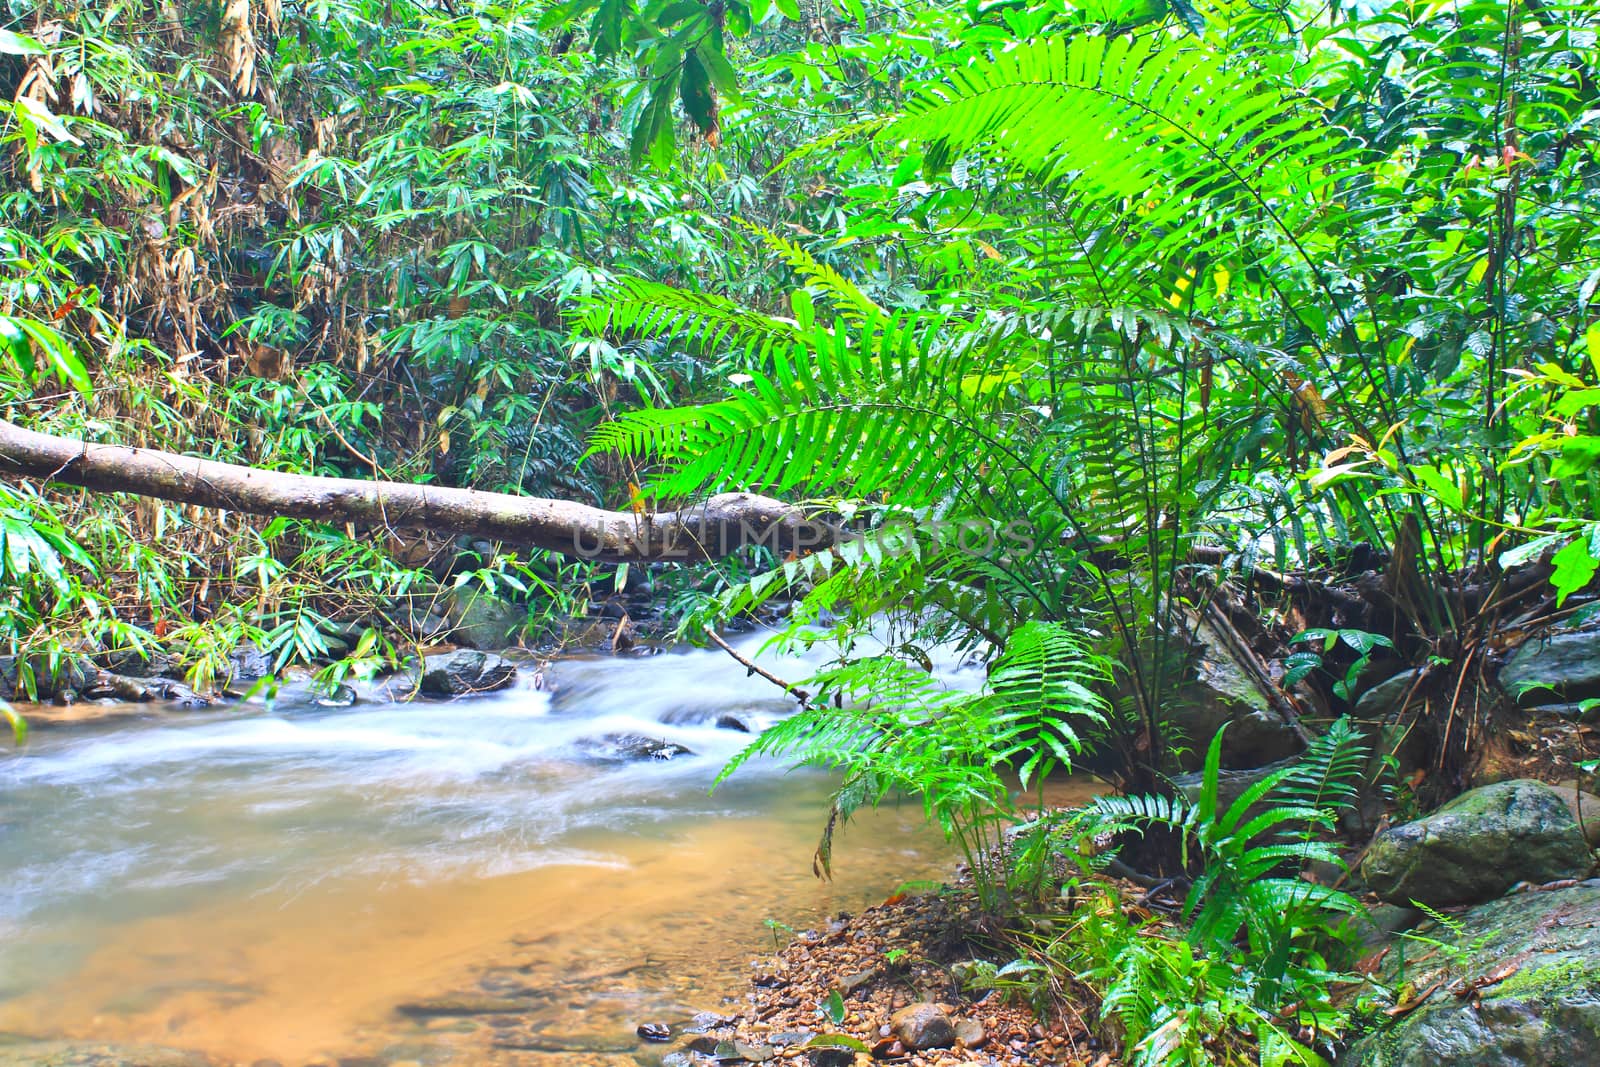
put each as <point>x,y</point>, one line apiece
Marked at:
<point>304,884</point>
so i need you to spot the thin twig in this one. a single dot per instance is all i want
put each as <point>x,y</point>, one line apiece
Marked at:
<point>799,694</point>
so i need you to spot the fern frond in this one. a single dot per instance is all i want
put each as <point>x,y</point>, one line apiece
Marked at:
<point>1138,813</point>
<point>849,302</point>
<point>1144,124</point>
<point>881,408</point>
<point>1328,774</point>
<point>647,309</point>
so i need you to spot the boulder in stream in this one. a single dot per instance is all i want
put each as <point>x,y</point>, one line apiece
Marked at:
<point>1514,983</point>
<point>1478,846</point>
<point>465,671</point>
<point>632,748</point>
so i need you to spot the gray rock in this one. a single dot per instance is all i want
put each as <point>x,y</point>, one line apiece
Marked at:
<point>146,690</point>
<point>465,671</point>
<point>1383,701</point>
<point>1584,711</point>
<point>130,664</point>
<point>831,1057</point>
<point>71,672</point>
<point>1231,785</point>
<point>631,748</point>
<point>1221,691</point>
<point>922,1026</point>
<point>1559,668</point>
<point>1478,846</point>
<point>247,665</point>
<point>1534,959</point>
<point>95,1054</point>
<point>478,620</point>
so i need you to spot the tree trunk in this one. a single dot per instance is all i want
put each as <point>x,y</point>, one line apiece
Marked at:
<point>710,530</point>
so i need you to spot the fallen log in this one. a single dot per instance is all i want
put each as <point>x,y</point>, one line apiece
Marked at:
<point>714,528</point>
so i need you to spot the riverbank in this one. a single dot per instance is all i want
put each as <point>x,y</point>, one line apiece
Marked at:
<point>899,980</point>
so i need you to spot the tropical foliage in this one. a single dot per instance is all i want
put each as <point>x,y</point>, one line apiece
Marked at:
<point>1094,328</point>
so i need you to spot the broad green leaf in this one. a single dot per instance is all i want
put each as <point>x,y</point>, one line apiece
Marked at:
<point>1574,568</point>
<point>1578,454</point>
<point>833,1006</point>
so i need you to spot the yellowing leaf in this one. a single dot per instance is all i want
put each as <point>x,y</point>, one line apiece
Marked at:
<point>1220,278</point>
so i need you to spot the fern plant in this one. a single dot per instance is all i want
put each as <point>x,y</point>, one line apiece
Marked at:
<point>892,728</point>
<point>1251,853</point>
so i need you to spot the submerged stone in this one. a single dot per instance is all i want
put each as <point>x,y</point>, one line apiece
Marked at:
<point>95,1054</point>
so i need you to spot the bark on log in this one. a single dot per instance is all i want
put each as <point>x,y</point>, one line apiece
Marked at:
<point>710,530</point>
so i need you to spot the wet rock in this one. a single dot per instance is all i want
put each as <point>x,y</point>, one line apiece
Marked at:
<point>70,672</point>
<point>146,690</point>
<point>830,1057</point>
<point>464,1004</point>
<point>128,662</point>
<point>465,671</point>
<point>970,1033</point>
<point>1560,667</point>
<point>852,982</point>
<point>1519,986</point>
<point>1231,785</point>
<point>95,1054</point>
<point>704,1044</point>
<point>1477,846</point>
<point>1585,808</point>
<point>340,696</point>
<point>742,1052</point>
<point>632,748</point>
<point>654,1032</point>
<point>923,1026</point>
<point>1578,711</point>
<point>737,723</point>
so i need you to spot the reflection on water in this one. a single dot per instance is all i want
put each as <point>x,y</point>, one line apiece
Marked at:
<point>275,885</point>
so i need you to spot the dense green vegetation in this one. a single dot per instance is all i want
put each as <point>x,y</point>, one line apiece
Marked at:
<point>1092,326</point>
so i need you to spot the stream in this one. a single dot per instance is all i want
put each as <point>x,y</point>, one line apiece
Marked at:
<point>302,885</point>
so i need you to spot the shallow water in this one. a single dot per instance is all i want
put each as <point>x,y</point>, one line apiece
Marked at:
<point>275,884</point>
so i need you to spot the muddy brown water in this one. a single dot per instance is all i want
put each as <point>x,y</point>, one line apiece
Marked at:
<point>310,885</point>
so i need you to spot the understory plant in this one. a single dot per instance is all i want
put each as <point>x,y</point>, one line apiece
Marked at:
<point>1248,972</point>
<point>893,728</point>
